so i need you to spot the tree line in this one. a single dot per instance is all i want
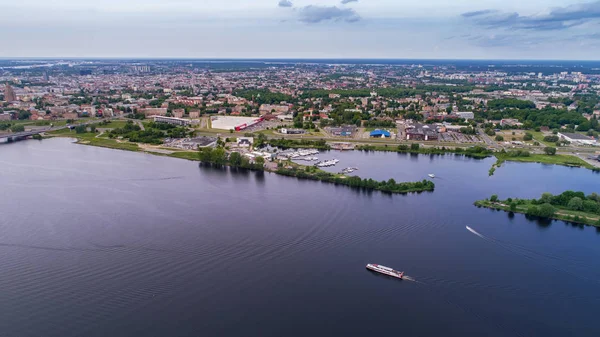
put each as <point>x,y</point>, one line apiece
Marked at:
<point>218,157</point>
<point>548,204</point>
<point>154,133</point>
<point>264,96</point>
<point>474,151</point>
<point>390,185</point>
<point>284,143</point>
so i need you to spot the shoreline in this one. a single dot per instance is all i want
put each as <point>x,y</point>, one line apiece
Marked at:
<point>475,152</point>
<point>297,171</point>
<point>582,220</point>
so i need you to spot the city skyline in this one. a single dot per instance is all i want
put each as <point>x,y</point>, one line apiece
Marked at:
<point>383,29</point>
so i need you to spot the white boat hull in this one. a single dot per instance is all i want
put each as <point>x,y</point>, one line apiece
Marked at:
<point>385,270</point>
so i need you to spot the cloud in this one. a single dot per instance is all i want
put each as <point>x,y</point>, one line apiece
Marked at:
<point>558,18</point>
<point>593,36</point>
<point>316,14</point>
<point>478,13</point>
<point>348,1</point>
<point>506,40</point>
<point>285,3</point>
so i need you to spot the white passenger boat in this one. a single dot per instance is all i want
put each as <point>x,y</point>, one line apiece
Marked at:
<point>385,270</point>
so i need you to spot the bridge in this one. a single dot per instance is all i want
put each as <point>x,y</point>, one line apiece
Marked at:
<point>12,137</point>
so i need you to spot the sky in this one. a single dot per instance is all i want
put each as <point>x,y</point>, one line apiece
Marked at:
<point>398,29</point>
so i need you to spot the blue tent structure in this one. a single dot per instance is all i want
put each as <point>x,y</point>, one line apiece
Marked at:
<point>380,134</point>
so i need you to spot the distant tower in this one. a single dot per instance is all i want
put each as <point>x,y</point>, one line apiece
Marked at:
<point>46,77</point>
<point>9,94</point>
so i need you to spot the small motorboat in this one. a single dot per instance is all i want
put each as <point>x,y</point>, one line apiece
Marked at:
<point>431,175</point>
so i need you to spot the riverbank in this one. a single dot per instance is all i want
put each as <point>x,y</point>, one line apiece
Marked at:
<point>219,158</point>
<point>100,140</point>
<point>478,152</point>
<point>389,186</point>
<point>526,157</point>
<point>583,210</point>
<point>291,170</point>
<point>473,152</point>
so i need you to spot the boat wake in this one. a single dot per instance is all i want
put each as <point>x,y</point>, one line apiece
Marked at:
<point>475,232</point>
<point>411,279</point>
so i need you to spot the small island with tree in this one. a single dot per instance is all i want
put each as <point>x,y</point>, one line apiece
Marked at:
<point>568,206</point>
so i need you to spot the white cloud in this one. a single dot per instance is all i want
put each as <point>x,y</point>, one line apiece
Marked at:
<point>259,28</point>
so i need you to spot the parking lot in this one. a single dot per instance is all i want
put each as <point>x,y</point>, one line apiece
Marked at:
<point>457,137</point>
<point>274,124</point>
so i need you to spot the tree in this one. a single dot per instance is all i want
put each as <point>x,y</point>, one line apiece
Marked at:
<point>494,198</point>
<point>533,210</point>
<point>414,147</point>
<point>551,151</point>
<point>259,163</point>
<point>528,136</point>
<point>17,128</point>
<point>23,115</point>
<point>260,140</point>
<point>551,139</point>
<point>546,210</point>
<point>513,206</point>
<point>590,206</point>
<point>576,204</point>
<point>499,138</point>
<point>235,159</point>
<point>80,129</point>
<point>546,198</point>
<point>219,157</point>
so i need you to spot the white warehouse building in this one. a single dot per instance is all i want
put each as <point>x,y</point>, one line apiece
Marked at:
<point>577,138</point>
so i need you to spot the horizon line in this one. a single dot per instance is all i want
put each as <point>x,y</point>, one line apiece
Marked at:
<point>279,58</point>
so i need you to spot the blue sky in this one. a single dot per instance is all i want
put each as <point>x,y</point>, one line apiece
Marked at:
<point>436,29</point>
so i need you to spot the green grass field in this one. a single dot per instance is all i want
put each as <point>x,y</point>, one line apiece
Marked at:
<point>113,125</point>
<point>539,137</point>
<point>110,143</point>
<point>559,159</point>
<point>189,155</point>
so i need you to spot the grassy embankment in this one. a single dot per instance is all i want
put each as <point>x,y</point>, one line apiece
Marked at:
<point>95,139</point>
<point>561,213</point>
<point>558,159</point>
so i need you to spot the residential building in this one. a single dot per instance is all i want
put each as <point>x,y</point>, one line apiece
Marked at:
<point>344,131</point>
<point>380,134</point>
<point>245,141</point>
<point>9,94</point>
<point>465,114</point>
<point>421,132</point>
<point>292,131</point>
<point>178,113</point>
<point>153,111</point>
<point>171,120</point>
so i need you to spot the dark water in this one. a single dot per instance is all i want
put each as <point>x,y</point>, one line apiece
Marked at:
<point>98,242</point>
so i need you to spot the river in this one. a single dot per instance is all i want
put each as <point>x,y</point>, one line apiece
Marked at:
<point>100,242</point>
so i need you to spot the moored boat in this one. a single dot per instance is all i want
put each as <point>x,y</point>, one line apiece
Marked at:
<point>385,270</point>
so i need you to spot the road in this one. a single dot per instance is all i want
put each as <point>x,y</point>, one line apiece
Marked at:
<point>140,124</point>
